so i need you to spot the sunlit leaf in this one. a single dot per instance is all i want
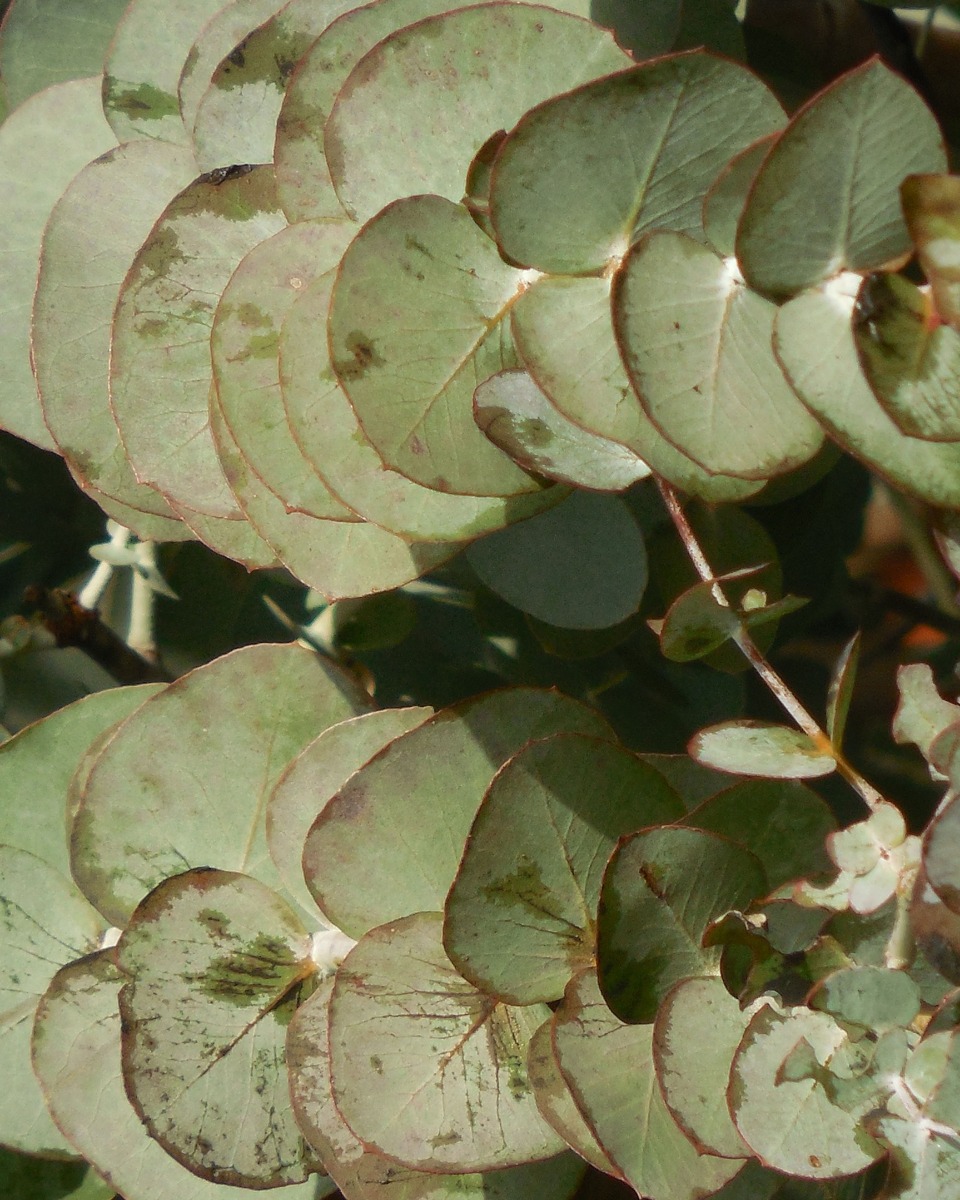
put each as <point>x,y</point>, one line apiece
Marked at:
<point>376,853</point>
<point>724,202</point>
<point>143,65</point>
<point>234,725</point>
<point>216,961</point>
<point>696,1033</point>
<point>814,340</point>
<point>318,772</point>
<point>234,537</point>
<point>245,346</point>
<point>42,146</point>
<point>661,890</point>
<point>696,345</point>
<point>76,1047</point>
<point>940,854</point>
<point>44,923</point>
<point>582,565</point>
<point>236,118</point>
<point>758,748</point>
<point>417,108</point>
<point>872,997</point>
<point>825,198</point>
<point>521,915</point>
<point>931,206</point>
<point>84,261</point>
<point>683,118</point>
<point>610,1069</point>
<point>327,429</point>
<point>516,416</point>
<point>924,1166</point>
<point>792,1124</point>
<point>424,1067</point>
<point>563,331</point>
<point>162,332</point>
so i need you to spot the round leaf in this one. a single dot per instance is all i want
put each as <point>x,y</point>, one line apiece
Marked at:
<point>42,146</point>
<point>724,202</point>
<point>814,340</point>
<point>416,323</point>
<point>318,772</point>
<point>661,890</point>
<point>874,998</point>
<point>327,429</point>
<point>931,207</point>
<point>83,264</point>
<point>418,107</point>
<point>825,197</point>
<point>758,748</point>
<point>696,345</point>
<point>682,117</point>
<point>424,1067</point>
<point>521,915</point>
<point>235,539</point>
<point>186,779</point>
<point>940,858</point>
<point>216,961</point>
<point>582,565</point>
<point>375,852</point>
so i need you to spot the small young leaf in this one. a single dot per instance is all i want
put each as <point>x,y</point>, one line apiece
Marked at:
<point>521,915</point>
<point>758,748</point>
<point>516,416</point>
<point>825,197</point>
<point>840,692</point>
<point>424,1067</point>
<point>359,866</point>
<point>922,714</point>
<point>697,624</point>
<point>610,1069</point>
<point>582,565</point>
<point>661,890</point>
<point>215,962</point>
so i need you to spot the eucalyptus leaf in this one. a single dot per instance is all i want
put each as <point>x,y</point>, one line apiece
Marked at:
<point>931,207</point>
<point>424,1067</point>
<point>825,198</point>
<point>759,748</point>
<point>234,537</point>
<point>724,202</point>
<point>161,332</point>
<point>415,110</point>
<point>840,691</point>
<point>872,997</point>
<point>521,914</point>
<point>215,962</point>
<point>940,857</point>
<point>661,890</point>
<point>374,853</point>
<point>42,146</point>
<point>235,724</point>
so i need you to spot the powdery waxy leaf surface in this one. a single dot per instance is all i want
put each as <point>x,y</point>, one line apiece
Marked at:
<point>696,345</point>
<point>610,1069</point>
<point>911,361</point>
<point>42,146</point>
<point>160,369</point>
<point>44,923</point>
<point>647,142</point>
<point>925,1166</point>
<point>216,961</point>
<point>237,116</point>
<point>416,322</point>
<point>758,748</point>
<point>418,107</point>
<point>245,345</point>
<point>426,1068</point>
<point>235,539</point>
<point>517,416</point>
<point>185,782</point>
<point>826,197</point>
<point>42,43</point>
<point>582,565</point>
<point>389,843</point>
<point>317,773</point>
<point>76,1053</point>
<point>814,340</point>
<point>521,915</point>
<point>661,890</point>
<point>790,1123</point>
<point>698,1028</point>
<point>364,1175</point>
<point>338,559</point>
<point>84,261</point>
<point>724,202</point>
<point>563,330</point>
<point>143,67</point>
<point>326,427</point>
<point>922,714</point>
<point>557,1104</point>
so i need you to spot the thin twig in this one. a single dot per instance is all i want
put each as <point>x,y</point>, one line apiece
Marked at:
<point>777,686</point>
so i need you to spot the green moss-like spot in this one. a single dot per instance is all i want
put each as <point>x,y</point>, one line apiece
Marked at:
<point>251,974</point>
<point>140,102</point>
